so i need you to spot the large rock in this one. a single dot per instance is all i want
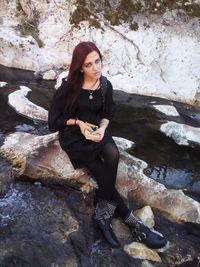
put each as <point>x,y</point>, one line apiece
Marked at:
<point>41,157</point>
<point>140,251</point>
<point>182,134</point>
<point>22,105</point>
<point>158,58</point>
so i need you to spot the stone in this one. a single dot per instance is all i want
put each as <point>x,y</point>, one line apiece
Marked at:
<point>49,75</point>
<point>140,251</point>
<point>167,110</point>
<point>151,61</point>
<point>2,84</point>
<point>182,134</point>
<point>42,158</point>
<point>22,105</point>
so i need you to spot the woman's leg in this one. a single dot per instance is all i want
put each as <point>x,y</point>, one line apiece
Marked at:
<point>104,170</point>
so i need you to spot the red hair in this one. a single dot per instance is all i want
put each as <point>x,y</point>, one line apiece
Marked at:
<point>75,76</point>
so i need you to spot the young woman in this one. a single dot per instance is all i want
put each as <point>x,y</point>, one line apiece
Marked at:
<point>78,101</point>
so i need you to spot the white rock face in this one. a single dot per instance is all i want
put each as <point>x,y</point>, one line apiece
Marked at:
<point>181,133</point>
<point>2,84</point>
<point>25,107</point>
<point>167,110</point>
<point>161,60</point>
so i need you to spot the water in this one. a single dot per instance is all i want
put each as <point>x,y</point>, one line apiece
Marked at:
<point>47,225</point>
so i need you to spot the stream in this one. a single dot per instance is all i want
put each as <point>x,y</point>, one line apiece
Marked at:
<point>36,218</point>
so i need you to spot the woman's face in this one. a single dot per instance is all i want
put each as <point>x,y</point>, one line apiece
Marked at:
<point>92,66</point>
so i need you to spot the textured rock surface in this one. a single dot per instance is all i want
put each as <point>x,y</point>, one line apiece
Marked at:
<point>41,157</point>
<point>181,133</point>
<point>140,251</point>
<point>22,105</point>
<point>156,55</point>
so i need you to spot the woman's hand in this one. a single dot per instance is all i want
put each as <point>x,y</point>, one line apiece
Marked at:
<point>100,132</point>
<point>83,126</point>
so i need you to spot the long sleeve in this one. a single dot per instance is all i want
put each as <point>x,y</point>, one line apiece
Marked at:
<point>57,115</point>
<point>109,103</point>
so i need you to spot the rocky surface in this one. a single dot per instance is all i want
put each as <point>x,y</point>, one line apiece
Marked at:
<point>140,251</point>
<point>22,105</point>
<point>41,157</point>
<point>182,134</point>
<point>157,53</point>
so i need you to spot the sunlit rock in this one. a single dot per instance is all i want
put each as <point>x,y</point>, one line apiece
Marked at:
<point>140,251</point>
<point>158,60</point>
<point>181,133</point>
<point>167,110</point>
<point>49,75</point>
<point>41,157</point>
<point>2,84</point>
<point>22,105</point>
<point>146,215</point>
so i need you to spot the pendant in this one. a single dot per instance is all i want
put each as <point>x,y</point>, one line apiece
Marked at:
<point>90,97</point>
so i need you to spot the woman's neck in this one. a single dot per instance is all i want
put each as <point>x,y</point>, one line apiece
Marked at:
<point>90,83</point>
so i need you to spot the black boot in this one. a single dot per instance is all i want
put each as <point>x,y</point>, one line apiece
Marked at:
<point>144,234</point>
<point>103,215</point>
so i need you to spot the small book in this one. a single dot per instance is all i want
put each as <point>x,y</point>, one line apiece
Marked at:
<point>89,135</point>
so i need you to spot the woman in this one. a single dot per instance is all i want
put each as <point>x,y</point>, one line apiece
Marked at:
<point>79,100</point>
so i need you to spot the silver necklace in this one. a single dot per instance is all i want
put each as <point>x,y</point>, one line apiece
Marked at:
<point>92,91</point>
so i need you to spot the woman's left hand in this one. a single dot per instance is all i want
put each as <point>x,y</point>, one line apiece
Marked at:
<point>101,132</point>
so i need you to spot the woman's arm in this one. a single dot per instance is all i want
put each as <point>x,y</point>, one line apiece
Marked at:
<point>56,116</point>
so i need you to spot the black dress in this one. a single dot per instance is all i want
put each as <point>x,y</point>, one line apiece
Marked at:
<point>72,141</point>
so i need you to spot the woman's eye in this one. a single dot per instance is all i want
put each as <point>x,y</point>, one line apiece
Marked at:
<point>88,65</point>
<point>97,61</point>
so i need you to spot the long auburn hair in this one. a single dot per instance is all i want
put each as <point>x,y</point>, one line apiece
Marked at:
<point>75,77</point>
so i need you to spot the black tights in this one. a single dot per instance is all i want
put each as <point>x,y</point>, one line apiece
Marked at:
<point>104,170</point>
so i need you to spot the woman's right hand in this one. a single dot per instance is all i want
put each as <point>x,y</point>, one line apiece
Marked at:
<point>83,126</point>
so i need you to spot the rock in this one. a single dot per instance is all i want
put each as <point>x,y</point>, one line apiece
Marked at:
<point>167,110</point>
<point>146,215</point>
<point>140,251</point>
<point>154,60</point>
<point>25,107</point>
<point>49,75</point>
<point>2,84</point>
<point>181,133</point>
<point>42,158</point>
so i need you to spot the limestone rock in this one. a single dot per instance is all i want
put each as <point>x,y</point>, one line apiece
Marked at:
<point>49,75</point>
<point>146,215</point>
<point>157,60</point>
<point>2,84</point>
<point>41,157</point>
<point>140,251</point>
<point>181,133</point>
<point>167,110</point>
<point>25,107</point>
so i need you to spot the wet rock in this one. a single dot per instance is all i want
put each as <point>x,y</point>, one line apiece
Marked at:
<point>36,228</point>
<point>41,157</point>
<point>167,110</point>
<point>138,250</point>
<point>2,84</point>
<point>25,107</point>
<point>182,134</point>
